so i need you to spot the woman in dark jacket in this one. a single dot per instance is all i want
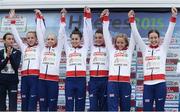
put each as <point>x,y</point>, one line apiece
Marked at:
<point>9,63</point>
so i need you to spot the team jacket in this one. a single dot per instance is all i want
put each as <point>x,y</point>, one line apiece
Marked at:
<point>154,59</point>
<point>50,56</point>
<point>99,56</point>
<point>119,60</point>
<point>30,55</point>
<point>76,57</point>
<point>9,66</point>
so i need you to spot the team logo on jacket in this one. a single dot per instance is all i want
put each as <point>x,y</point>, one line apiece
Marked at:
<point>30,54</point>
<point>99,58</point>
<point>75,59</point>
<point>49,58</point>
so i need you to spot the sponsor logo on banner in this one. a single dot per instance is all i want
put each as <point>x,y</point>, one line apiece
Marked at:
<point>171,61</point>
<point>134,54</point>
<point>172,83</point>
<point>139,103</point>
<point>20,24</point>
<point>133,109</point>
<point>140,82</point>
<point>61,81</point>
<point>175,41</point>
<point>140,76</point>
<point>173,75</point>
<point>133,82</point>
<point>172,104</point>
<point>173,54</point>
<point>174,47</point>
<point>139,96</point>
<point>62,101</point>
<point>139,109</point>
<point>139,68</point>
<point>170,68</point>
<point>133,87</point>
<point>61,88</point>
<point>61,93</point>
<point>133,68</point>
<point>172,96</point>
<point>133,103</point>
<point>133,96</point>
<point>140,61</point>
<point>61,108</point>
<point>139,89</point>
<point>171,109</point>
<point>18,107</point>
<point>172,89</point>
<point>19,100</point>
<point>134,60</point>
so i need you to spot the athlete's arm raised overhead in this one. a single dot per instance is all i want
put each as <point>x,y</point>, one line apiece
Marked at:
<point>106,33</point>
<point>86,23</point>
<point>169,33</point>
<point>131,43</point>
<point>14,30</point>
<point>62,33</point>
<point>62,30</point>
<point>40,28</point>
<point>135,32</point>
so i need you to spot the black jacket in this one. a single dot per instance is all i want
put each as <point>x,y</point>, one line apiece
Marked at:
<point>15,58</point>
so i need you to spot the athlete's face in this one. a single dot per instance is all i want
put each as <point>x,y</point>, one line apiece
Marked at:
<point>31,39</point>
<point>75,40</point>
<point>51,41</point>
<point>120,43</point>
<point>99,40</point>
<point>154,39</point>
<point>9,41</point>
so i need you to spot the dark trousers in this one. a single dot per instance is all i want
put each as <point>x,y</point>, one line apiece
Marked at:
<point>11,91</point>
<point>48,95</point>
<point>98,93</point>
<point>119,93</point>
<point>75,93</point>
<point>29,92</point>
<point>155,93</point>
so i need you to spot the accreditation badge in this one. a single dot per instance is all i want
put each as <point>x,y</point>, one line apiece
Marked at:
<point>49,58</point>
<point>75,59</point>
<point>121,59</point>
<point>99,58</point>
<point>152,62</point>
<point>30,54</point>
